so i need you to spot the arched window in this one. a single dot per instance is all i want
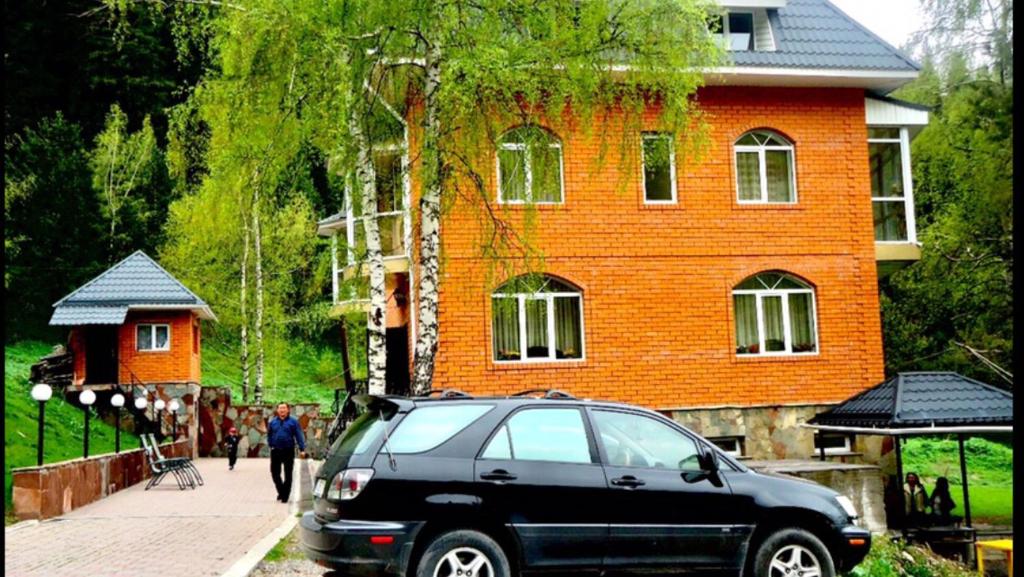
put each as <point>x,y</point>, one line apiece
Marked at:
<point>775,315</point>
<point>537,318</point>
<point>529,167</point>
<point>764,168</point>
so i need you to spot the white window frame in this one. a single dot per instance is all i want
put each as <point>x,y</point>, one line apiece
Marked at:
<point>762,162</point>
<point>351,220</point>
<point>783,294</point>
<point>549,297</point>
<point>908,183</point>
<point>152,337</point>
<point>726,40</point>
<point>738,452</point>
<point>528,170</point>
<point>846,449</point>
<point>671,164</point>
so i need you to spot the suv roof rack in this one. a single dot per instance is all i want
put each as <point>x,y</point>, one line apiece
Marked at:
<point>448,394</point>
<point>548,393</point>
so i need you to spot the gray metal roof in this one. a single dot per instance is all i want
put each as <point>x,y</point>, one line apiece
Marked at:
<point>817,34</point>
<point>923,399</point>
<point>88,315</point>
<point>135,282</point>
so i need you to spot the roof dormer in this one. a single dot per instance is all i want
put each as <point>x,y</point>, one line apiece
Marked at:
<point>744,25</point>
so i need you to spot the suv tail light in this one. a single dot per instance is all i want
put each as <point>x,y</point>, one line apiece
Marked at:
<point>348,484</point>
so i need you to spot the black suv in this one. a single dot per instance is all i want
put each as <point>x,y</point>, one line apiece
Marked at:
<point>494,486</point>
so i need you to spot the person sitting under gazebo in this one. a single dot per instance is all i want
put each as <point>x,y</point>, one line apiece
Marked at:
<point>942,503</point>
<point>915,501</point>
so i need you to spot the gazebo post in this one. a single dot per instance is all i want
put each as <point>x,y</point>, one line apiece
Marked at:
<point>899,483</point>
<point>963,481</point>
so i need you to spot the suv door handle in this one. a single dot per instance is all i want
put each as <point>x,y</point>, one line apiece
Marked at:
<point>497,475</point>
<point>628,481</point>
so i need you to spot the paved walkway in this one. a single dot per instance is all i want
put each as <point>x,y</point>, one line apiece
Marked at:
<point>161,532</point>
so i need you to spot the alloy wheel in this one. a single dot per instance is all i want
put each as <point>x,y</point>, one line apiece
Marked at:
<point>464,562</point>
<point>794,561</point>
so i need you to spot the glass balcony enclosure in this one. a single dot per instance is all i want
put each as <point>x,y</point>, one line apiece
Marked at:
<point>347,228</point>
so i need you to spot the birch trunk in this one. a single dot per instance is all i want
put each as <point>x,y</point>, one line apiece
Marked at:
<point>243,298</point>
<point>376,350</point>
<point>430,228</point>
<point>258,269</point>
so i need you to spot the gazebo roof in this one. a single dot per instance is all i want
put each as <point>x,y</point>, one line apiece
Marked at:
<point>137,282</point>
<point>922,399</point>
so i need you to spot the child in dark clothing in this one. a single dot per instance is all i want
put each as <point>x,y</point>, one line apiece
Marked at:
<point>231,440</point>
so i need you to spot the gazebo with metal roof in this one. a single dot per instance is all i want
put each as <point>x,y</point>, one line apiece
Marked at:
<point>923,403</point>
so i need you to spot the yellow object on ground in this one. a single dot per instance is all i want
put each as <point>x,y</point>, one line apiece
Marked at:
<point>1004,545</point>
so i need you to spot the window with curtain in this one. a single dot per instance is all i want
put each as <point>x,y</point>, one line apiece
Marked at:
<point>775,315</point>
<point>529,167</point>
<point>537,318</point>
<point>764,168</point>
<point>659,170</point>
<point>152,337</point>
<point>888,188</point>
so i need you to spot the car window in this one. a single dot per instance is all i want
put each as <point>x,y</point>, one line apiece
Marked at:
<point>427,427</point>
<point>632,440</point>
<point>556,435</point>
<point>358,437</point>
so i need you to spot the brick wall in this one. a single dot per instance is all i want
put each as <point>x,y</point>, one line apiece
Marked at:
<point>180,363</point>
<point>657,281</point>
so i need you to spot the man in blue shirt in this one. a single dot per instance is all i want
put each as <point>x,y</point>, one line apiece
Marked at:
<point>283,432</point>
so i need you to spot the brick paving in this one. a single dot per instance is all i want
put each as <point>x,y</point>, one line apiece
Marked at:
<point>161,532</point>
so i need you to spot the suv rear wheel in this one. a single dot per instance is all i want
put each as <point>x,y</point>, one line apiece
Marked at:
<point>793,553</point>
<point>463,553</point>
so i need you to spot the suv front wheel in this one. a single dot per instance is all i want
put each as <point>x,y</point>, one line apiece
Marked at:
<point>463,553</point>
<point>793,553</point>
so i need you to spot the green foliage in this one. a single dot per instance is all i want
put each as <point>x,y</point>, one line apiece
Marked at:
<point>889,558</point>
<point>296,371</point>
<point>129,175</point>
<point>962,289</point>
<point>64,426</point>
<point>50,223</point>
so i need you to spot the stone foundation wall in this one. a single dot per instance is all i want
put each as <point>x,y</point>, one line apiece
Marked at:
<point>773,432</point>
<point>54,489</point>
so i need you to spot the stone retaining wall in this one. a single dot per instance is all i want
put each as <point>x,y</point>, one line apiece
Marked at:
<point>218,415</point>
<point>54,489</point>
<point>861,483</point>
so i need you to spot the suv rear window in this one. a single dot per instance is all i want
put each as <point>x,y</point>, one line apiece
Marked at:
<point>427,427</point>
<point>363,431</point>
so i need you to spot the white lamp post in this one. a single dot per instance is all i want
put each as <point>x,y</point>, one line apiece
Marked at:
<point>140,404</point>
<point>41,393</point>
<point>174,406</point>
<point>159,405</point>
<point>117,401</point>
<point>87,398</point>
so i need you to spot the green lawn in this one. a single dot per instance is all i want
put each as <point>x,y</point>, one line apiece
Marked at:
<point>296,372</point>
<point>64,422</point>
<point>989,471</point>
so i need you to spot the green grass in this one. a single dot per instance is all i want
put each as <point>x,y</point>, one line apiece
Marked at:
<point>989,473</point>
<point>295,372</point>
<point>64,422</point>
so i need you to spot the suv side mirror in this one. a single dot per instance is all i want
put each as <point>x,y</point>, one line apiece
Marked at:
<point>708,459</point>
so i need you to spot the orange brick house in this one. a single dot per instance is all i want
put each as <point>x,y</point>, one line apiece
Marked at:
<point>134,323</point>
<point>737,294</point>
